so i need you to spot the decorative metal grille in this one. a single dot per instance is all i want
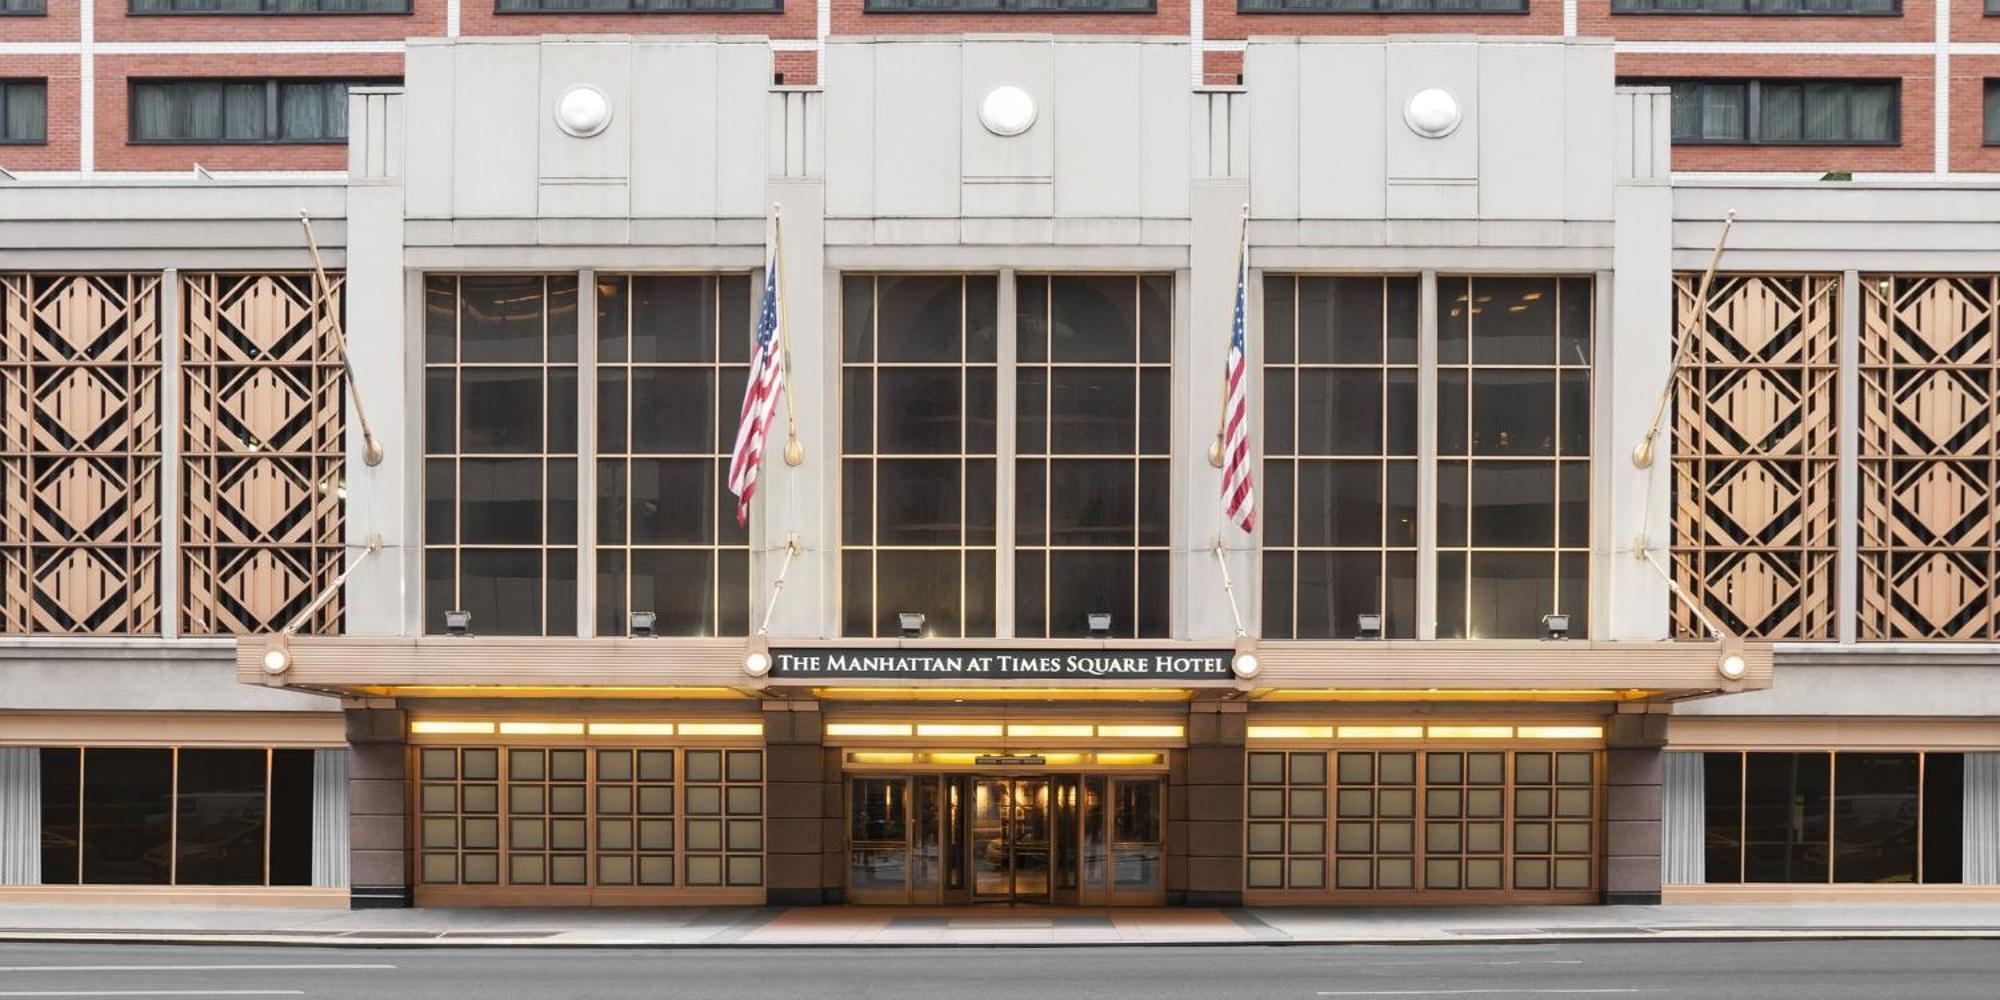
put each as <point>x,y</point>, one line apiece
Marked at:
<point>261,438</point>
<point>1755,412</point>
<point>79,453</point>
<point>1927,458</point>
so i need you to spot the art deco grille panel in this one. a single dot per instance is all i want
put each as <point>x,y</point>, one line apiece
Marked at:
<point>1927,458</point>
<point>79,453</point>
<point>261,440</point>
<point>1756,404</point>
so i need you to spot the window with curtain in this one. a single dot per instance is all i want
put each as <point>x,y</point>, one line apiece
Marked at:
<point>241,111</point>
<point>29,8</point>
<point>1382,6</point>
<point>1773,7</point>
<point>1991,133</point>
<point>24,111</point>
<point>1785,112</point>
<point>268,6</point>
<point>637,6</point>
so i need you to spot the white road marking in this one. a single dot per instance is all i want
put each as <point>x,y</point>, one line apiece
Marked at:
<point>179,968</point>
<point>153,993</point>
<point>1525,961</point>
<point>1481,993</point>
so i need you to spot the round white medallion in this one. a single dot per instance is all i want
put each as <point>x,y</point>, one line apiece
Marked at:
<point>1432,113</point>
<point>583,111</point>
<point>1007,110</point>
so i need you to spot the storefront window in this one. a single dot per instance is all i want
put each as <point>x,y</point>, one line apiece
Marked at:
<point>1842,817</point>
<point>128,817</point>
<point>62,814</point>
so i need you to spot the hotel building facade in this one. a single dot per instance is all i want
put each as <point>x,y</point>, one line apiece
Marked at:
<point>416,582</point>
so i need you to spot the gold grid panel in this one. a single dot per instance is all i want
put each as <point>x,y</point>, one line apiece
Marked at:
<point>1755,411</point>
<point>79,453</point>
<point>262,443</point>
<point>1422,820</point>
<point>591,816</point>
<point>1928,457</point>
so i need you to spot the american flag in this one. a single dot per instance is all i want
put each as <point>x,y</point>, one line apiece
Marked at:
<point>760,398</point>
<point>1239,499</point>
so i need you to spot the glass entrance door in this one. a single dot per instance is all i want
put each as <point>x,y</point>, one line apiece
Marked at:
<point>1012,843</point>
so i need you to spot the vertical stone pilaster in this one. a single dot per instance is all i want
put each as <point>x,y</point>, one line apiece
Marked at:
<point>1633,765</point>
<point>1205,809</point>
<point>378,809</point>
<point>795,805</point>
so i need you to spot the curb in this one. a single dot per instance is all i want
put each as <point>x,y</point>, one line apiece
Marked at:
<point>1718,935</point>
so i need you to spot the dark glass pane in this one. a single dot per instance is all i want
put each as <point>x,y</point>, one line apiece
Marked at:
<point>1399,615</point>
<point>1155,411</point>
<point>981,501</point>
<point>673,318</point>
<point>1578,316</point>
<point>981,599</point>
<point>1277,595</point>
<point>1575,533</point>
<point>1156,318</point>
<point>734,331</point>
<point>220,837</point>
<point>918,580</point>
<point>440,500</point>
<point>1514,504</point>
<point>1333,589</point>
<point>562,319</point>
<point>1155,502</point>
<point>614,339</point>
<point>919,413</point>
<point>291,815</point>
<point>1276,498</point>
<point>921,318</point>
<point>1340,504</point>
<point>500,501</point>
<point>440,584</point>
<point>1454,317</point>
<point>1083,582</point>
<point>1402,319</point>
<point>732,592</point>
<point>562,501</point>
<point>1091,503</point>
<point>611,405</point>
<point>562,411</point>
<point>127,816</point>
<point>1092,411</point>
<point>1031,402</point>
<point>1513,412</point>
<point>440,320</point>
<point>559,594</point>
<point>500,318</point>
<point>1279,319</point>
<point>1340,321</point>
<point>857,590</point>
<point>857,319</point>
<point>1514,321</point>
<point>1092,318</point>
<point>1401,413</point>
<point>1030,502</point>
<point>1452,508</point>
<point>857,502</point>
<point>1575,414</point>
<point>503,590</point>
<point>1031,319</point>
<point>982,318</point>
<point>1280,402</point>
<point>673,411</point>
<point>1785,819</point>
<point>611,609</point>
<point>1722,817</point>
<point>1451,595</point>
<point>613,501</point>
<point>917,502</point>
<point>1340,412</point>
<point>1944,818</point>
<point>673,501</point>
<point>857,411</point>
<point>500,410</point>
<point>1573,591</point>
<point>61,770</point>
<point>982,411</point>
<point>1030,615</point>
<point>1875,817</point>
<point>679,586</point>
<point>1454,433</point>
<point>1400,515</point>
<point>880,811</point>
<point>440,411</point>
<point>1509,594</point>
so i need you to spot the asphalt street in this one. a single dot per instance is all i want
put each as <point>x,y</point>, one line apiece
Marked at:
<point>1770,970</point>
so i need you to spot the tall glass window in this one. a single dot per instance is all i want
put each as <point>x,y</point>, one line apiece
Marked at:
<point>1833,816</point>
<point>919,372</point>
<point>1340,455</point>
<point>500,416</point>
<point>1513,507</point>
<point>673,352</point>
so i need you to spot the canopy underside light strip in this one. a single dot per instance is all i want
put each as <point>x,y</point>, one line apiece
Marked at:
<point>575,727</point>
<point>1463,731</point>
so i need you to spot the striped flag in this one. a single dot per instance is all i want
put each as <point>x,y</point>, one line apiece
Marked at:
<point>760,397</point>
<point>1239,499</point>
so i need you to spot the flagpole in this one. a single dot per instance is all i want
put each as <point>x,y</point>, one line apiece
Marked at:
<point>795,453</point>
<point>1222,408</point>
<point>371,449</point>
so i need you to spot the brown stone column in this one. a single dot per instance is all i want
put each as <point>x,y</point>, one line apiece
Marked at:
<point>1634,761</point>
<point>378,809</point>
<point>1205,809</point>
<point>795,806</point>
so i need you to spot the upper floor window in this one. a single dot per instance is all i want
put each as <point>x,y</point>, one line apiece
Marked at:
<point>1382,6</point>
<point>24,111</point>
<point>1779,7</point>
<point>1992,113</point>
<point>1009,6</point>
<point>1513,443</point>
<point>637,6</point>
<point>268,6</point>
<point>240,110</point>
<point>1780,111</point>
<point>29,8</point>
<point>1340,455</point>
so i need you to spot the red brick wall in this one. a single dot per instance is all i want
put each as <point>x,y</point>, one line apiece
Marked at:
<point>59,25</point>
<point>799,68</point>
<point>1913,154</point>
<point>1969,22</point>
<point>1594,17</point>
<point>1968,106</point>
<point>1222,68</point>
<point>427,17</point>
<point>113,121</point>
<point>61,151</point>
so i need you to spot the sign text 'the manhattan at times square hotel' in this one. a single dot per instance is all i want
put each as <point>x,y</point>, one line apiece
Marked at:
<point>991,664</point>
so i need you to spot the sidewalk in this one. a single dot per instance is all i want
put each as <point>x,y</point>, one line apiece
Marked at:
<point>876,926</point>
